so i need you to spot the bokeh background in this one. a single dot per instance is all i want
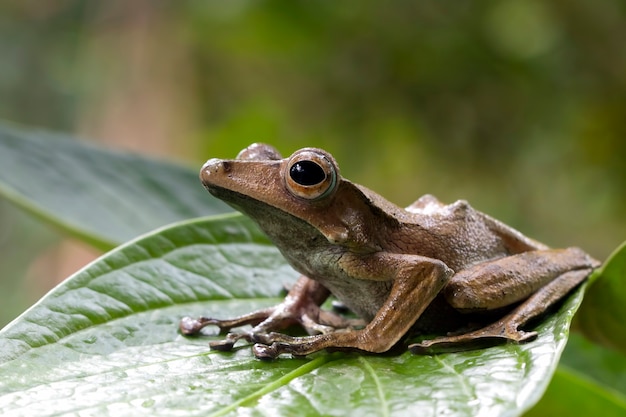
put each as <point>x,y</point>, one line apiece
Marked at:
<point>518,106</point>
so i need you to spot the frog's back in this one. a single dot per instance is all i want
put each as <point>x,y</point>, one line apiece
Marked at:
<point>456,233</point>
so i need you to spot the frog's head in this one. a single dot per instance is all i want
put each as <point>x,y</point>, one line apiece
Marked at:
<point>286,195</point>
<point>306,179</point>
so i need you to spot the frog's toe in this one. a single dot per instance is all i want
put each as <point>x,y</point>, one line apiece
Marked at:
<point>273,350</point>
<point>229,342</point>
<point>313,327</point>
<point>520,336</point>
<point>265,352</point>
<point>272,337</point>
<point>487,337</point>
<point>191,326</point>
<point>222,345</point>
<point>446,344</point>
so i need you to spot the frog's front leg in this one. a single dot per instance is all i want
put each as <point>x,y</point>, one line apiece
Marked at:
<point>301,306</point>
<point>537,279</point>
<point>416,282</point>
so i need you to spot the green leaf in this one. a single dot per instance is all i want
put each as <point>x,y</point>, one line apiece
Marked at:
<point>604,366</point>
<point>589,381</point>
<point>572,394</point>
<point>602,316</point>
<point>105,342</point>
<point>103,197</point>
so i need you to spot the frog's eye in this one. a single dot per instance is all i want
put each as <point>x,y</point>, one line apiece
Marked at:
<point>310,174</point>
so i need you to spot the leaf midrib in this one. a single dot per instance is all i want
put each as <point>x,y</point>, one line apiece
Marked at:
<point>384,406</point>
<point>279,383</point>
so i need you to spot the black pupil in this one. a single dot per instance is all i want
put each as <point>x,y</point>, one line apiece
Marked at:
<point>307,173</point>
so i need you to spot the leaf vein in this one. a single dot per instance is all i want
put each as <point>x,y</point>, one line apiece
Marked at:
<point>279,383</point>
<point>384,406</point>
<point>466,387</point>
<point>214,285</point>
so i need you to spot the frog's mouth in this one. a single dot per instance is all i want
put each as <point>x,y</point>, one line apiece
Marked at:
<point>285,230</point>
<point>259,179</point>
<point>236,200</point>
<point>249,206</point>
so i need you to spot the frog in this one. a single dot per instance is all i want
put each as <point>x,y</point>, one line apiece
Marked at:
<point>444,270</point>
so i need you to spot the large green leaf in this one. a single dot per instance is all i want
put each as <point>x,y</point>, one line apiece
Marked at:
<point>103,197</point>
<point>105,342</point>
<point>603,315</point>
<point>572,393</point>
<point>589,381</point>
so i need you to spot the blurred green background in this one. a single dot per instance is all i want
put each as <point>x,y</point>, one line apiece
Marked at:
<point>518,106</point>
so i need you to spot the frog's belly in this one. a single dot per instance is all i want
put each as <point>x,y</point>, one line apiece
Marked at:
<point>362,297</point>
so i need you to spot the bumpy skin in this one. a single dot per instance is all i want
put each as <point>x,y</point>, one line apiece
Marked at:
<point>420,268</point>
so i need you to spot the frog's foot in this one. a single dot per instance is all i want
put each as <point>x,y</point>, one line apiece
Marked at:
<point>301,307</point>
<point>311,317</point>
<point>302,311</point>
<point>497,333</point>
<point>190,326</point>
<point>313,320</point>
<point>270,345</point>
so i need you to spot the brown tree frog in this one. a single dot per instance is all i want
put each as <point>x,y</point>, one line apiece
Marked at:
<point>428,268</point>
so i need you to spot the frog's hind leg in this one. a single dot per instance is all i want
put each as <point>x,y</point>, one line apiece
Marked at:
<point>508,328</point>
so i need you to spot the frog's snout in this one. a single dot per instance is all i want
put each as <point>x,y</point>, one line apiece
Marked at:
<point>210,164</point>
<point>215,165</point>
<point>214,168</point>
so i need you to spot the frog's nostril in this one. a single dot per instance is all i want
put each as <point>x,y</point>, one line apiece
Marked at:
<point>216,166</point>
